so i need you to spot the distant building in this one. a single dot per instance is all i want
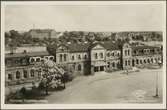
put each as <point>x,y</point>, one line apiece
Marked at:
<point>44,33</point>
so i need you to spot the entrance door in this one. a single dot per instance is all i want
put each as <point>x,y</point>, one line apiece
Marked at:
<point>95,69</point>
<point>101,68</point>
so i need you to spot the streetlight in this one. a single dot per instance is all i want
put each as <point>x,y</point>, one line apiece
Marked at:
<point>156,94</point>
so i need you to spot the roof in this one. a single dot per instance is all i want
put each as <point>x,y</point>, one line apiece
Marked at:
<point>111,45</point>
<point>83,47</point>
<point>144,47</point>
<point>44,53</point>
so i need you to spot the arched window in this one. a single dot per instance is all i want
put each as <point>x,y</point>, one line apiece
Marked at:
<point>152,60</point>
<point>38,59</point>
<point>25,74</point>
<point>141,62</point>
<point>108,54</point>
<point>137,61</point>
<point>148,60</point>
<point>118,54</point>
<point>32,60</point>
<point>144,61</point>
<point>18,75</point>
<point>79,67</point>
<point>32,72</point>
<point>85,56</point>
<point>51,58</point>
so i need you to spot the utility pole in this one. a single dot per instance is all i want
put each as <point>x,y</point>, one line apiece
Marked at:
<point>156,95</point>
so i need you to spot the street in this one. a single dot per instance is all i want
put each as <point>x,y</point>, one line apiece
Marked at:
<point>136,87</point>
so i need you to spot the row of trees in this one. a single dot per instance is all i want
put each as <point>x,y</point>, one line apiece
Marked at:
<point>14,38</point>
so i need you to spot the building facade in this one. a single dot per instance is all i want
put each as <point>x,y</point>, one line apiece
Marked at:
<point>83,58</point>
<point>86,58</point>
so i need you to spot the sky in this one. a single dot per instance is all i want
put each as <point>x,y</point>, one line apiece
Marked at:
<point>124,17</point>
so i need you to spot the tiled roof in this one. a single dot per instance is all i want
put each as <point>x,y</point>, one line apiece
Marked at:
<point>83,47</point>
<point>44,53</point>
<point>144,47</point>
<point>111,45</point>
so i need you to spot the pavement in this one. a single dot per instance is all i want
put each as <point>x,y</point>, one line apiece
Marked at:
<point>136,87</point>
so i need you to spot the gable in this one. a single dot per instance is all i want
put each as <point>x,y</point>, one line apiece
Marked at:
<point>62,48</point>
<point>98,47</point>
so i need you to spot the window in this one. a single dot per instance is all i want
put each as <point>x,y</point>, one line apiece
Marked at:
<point>32,60</point>
<point>17,75</point>
<point>72,57</point>
<point>73,67</point>
<point>32,72</point>
<point>61,57</point>
<point>101,55</point>
<point>113,64</point>
<point>96,57</point>
<point>118,54</point>
<point>10,76</point>
<point>38,59</point>
<point>51,58</point>
<point>65,57</point>
<point>128,52</point>
<point>137,61</point>
<point>144,61</point>
<point>79,57</point>
<point>125,52</point>
<point>108,64</point>
<point>85,56</point>
<point>108,54</point>
<point>129,62</point>
<point>148,60</point>
<point>79,67</point>
<point>24,61</point>
<point>141,62</point>
<point>126,63</point>
<point>25,75</point>
<point>113,54</point>
<point>152,60</point>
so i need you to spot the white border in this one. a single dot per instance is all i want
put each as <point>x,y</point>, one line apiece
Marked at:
<point>79,106</point>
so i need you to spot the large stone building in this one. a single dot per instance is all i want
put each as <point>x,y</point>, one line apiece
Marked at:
<point>83,58</point>
<point>43,33</point>
<point>87,58</point>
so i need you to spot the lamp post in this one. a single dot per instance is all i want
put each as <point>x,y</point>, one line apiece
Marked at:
<point>156,94</point>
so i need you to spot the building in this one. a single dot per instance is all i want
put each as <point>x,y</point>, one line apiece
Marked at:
<point>86,58</point>
<point>20,67</point>
<point>43,33</point>
<point>82,58</point>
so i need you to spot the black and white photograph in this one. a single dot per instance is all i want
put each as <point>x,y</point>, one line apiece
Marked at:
<point>83,54</point>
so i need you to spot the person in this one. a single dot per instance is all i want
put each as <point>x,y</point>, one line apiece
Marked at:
<point>127,72</point>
